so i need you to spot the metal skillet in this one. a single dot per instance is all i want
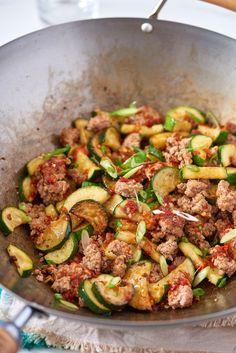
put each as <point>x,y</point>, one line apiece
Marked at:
<point>49,77</point>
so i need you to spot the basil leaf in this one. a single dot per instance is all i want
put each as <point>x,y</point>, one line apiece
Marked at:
<point>222,282</point>
<point>63,150</point>
<point>140,232</point>
<point>109,167</point>
<point>119,223</point>
<point>131,172</point>
<point>198,292</point>
<point>155,152</point>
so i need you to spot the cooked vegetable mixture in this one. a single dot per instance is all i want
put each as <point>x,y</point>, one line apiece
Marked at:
<point>134,209</point>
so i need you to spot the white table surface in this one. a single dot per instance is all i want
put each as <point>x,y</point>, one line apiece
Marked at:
<point>19,17</point>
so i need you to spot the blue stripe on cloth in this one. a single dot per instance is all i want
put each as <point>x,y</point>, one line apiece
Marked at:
<point>29,340</point>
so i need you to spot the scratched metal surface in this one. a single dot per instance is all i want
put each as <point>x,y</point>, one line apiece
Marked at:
<point>49,78</point>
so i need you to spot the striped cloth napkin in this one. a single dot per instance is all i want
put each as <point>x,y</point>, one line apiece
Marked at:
<point>211,337</point>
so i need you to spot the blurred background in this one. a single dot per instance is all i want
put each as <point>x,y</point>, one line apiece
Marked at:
<point>19,17</point>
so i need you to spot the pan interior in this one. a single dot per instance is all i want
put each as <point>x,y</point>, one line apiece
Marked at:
<point>53,76</point>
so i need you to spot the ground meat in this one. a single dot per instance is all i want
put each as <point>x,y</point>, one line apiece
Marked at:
<point>232,249</point>
<point>69,136</point>
<point>119,247</point>
<point>195,205</point>
<point>51,180</point>
<point>155,274</point>
<point>220,257</point>
<point>196,237</point>
<point>209,228</point>
<point>223,226</point>
<point>231,127</point>
<point>234,217</point>
<point>176,153</point>
<point>119,266</point>
<point>230,139</point>
<point>39,222</point>
<point>172,226</point>
<point>146,116</point>
<point>194,187</point>
<point>178,260</point>
<point>99,122</point>
<point>168,249</point>
<point>76,175</point>
<point>157,235</point>
<point>132,141</point>
<point>180,297</point>
<point>128,188</point>
<point>226,196</point>
<point>92,259</point>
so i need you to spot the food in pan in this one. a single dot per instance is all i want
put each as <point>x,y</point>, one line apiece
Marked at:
<point>134,209</point>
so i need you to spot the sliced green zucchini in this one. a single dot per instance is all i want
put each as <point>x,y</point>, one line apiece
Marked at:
<point>22,261</point>
<point>137,213</point>
<point>218,136</point>
<point>27,189</point>
<point>195,172</point>
<point>126,236</point>
<point>159,289</point>
<point>109,167</point>
<point>138,275</point>
<point>142,130</point>
<point>95,149</point>
<point>175,118</point>
<point>159,140</point>
<point>150,249</point>
<point>59,206</point>
<point>194,253</point>
<point>113,298</point>
<point>95,193</point>
<point>231,175</point>
<point>198,142</point>
<point>84,165</point>
<point>165,181</point>
<point>199,157</point>
<point>112,202</point>
<point>225,154</point>
<point>12,217</point>
<point>55,234</point>
<point>92,212</point>
<point>125,112</point>
<point>137,256</point>
<point>66,252</point>
<point>86,293</point>
<point>34,164</point>
<point>110,137</point>
<point>109,183</point>
<point>51,211</point>
<point>85,135</point>
<point>84,226</point>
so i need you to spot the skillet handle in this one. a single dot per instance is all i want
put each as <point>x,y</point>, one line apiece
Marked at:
<point>10,332</point>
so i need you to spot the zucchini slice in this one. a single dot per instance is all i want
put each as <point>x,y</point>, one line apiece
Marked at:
<point>138,275</point>
<point>84,226</point>
<point>165,181</point>
<point>94,148</point>
<point>86,293</point>
<point>150,249</point>
<point>225,154</point>
<point>92,212</point>
<point>198,142</point>
<point>110,137</point>
<point>194,253</point>
<point>112,202</point>
<point>22,261</point>
<point>119,211</point>
<point>175,118</point>
<point>159,140</point>
<point>84,164</point>
<point>113,298</point>
<point>137,256</point>
<point>142,130</point>
<point>126,236</point>
<point>217,135</point>
<point>12,217</point>
<point>55,234</point>
<point>66,252</point>
<point>195,172</point>
<point>51,211</point>
<point>95,193</point>
<point>33,165</point>
<point>159,289</point>
<point>231,175</point>
<point>27,189</point>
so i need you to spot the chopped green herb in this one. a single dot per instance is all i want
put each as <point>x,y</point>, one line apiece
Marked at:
<point>164,265</point>
<point>22,206</point>
<point>104,149</point>
<point>143,195</point>
<point>58,296</point>
<point>63,150</point>
<point>222,282</point>
<point>87,183</point>
<point>124,112</point>
<point>118,162</point>
<point>155,152</point>
<point>119,223</point>
<point>139,158</point>
<point>160,200</point>
<point>184,239</point>
<point>140,232</point>
<point>198,292</point>
<point>113,282</point>
<point>109,167</point>
<point>131,172</point>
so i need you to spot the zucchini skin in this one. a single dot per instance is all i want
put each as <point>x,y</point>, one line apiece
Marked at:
<point>23,262</point>
<point>5,226</point>
<point>110,137</point>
